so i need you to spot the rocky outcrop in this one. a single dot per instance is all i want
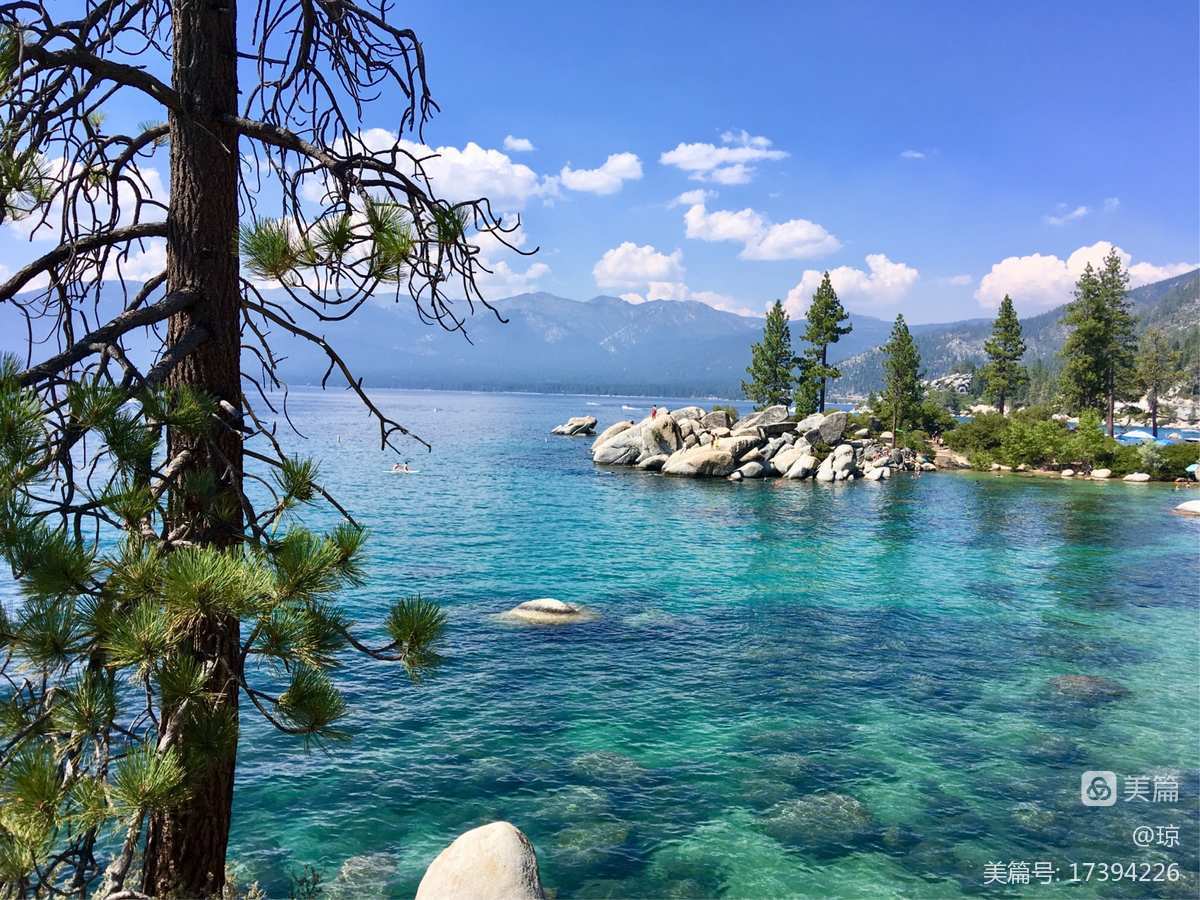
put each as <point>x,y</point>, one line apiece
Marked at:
<point>764,444</point>
<point>1137,477</point>
<point>611,432</point>
<point>576,425</point>
<point>547,611</point>
<point>1101,474</point>
<point>716,419</point>
<point>660,435</point>
<point>772,415</point>
<point>492,862</point>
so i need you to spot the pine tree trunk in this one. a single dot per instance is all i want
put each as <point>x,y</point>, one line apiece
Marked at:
<point>1154,414</point>
<point>185,848</point>
<point>821,404</point>
<point>1001,403</point>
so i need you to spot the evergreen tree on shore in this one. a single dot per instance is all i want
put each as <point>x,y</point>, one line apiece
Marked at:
<point>902,393</point>
<point>1098,354</point>
<point>825,325</point>
<point>1004,375</point>
<point>772,362</point>
<point>1158,369</point>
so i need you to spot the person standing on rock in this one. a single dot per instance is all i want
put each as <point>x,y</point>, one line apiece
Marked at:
<point>653,411</point>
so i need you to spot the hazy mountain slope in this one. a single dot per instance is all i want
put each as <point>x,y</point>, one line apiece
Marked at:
<point>606,345</point>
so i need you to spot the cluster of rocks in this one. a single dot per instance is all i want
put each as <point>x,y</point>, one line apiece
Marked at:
<point>763,444</point>
<point>576,426</point>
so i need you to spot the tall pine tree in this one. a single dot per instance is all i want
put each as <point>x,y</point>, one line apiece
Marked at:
<point>902,377</point>
<point>825,319</point>
<point>1158,370</point>
<point>1098,353</point>
<point>772,362</point>
<point>1004,375</point>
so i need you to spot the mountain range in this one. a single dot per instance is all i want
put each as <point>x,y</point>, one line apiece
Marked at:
<point>608,345</point>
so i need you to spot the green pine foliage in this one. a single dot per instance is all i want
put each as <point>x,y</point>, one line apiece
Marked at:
<point>903,392</point>
<point>1004,376</point>
<point>826,322</point>
<point>772,362</point>
<point>1098,354</point>
<point>1158,368</point>
<point>108,716</point>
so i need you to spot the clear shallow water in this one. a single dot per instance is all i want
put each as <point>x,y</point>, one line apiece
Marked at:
<point>759,644</point>
<point>759,647</point>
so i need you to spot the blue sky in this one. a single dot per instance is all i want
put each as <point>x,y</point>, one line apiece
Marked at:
<point>932,155</point>
<point>1024,113</point>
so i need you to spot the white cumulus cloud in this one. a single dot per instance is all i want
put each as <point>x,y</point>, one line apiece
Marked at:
<point>884,282</point>
<point>912,154</point>
<point>730,162</point>
<point>760,239</point>
<point>616,170</point>
<point>634,266</point>
<point>1039,282</point>
<point>518,144</point>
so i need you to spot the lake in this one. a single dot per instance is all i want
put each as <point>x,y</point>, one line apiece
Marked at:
<point>792,688</point>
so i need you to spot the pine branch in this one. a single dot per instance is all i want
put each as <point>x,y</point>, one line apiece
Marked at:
<point>64,252</point>
<point>97,340</point>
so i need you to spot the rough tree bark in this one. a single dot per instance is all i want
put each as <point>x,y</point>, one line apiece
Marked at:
<point>185,851</point>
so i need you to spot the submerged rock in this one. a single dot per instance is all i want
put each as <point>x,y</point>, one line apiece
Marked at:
<point>1087,688</point>
<point>492,862</point>
<point>819,820</point>
<point>548,611</point>
<point>1189,508</point>
<point>588,844</point>
<point>608,765</point>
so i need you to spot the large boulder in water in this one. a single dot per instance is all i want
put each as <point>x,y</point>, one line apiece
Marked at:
<point>772,415</point>
<point>576,425</point>
<point>1189,508</point>
<point>611,432</point>
<point>492,862</point>
<point>624,448</point>
<point>547,611</point>
<point>804,467</point>
<point>785,458</point>
<point>711,461</point>
<point>652,463</point>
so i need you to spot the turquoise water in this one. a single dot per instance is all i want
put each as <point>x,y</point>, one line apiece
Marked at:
<point>759,647</point>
